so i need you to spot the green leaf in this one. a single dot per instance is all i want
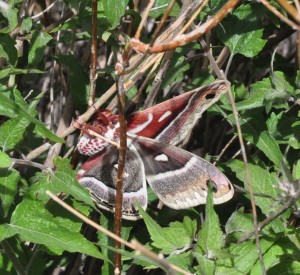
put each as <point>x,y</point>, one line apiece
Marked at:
<point>285,268</point>
<point>188,225</point>
<point>6,231</point>
<point>11,14</point>
<point>255,131</point>
<point>183,260</point>
<point>9,180</point>
<point>38,44</point>
<point>224,270</point>
<point>270,92</point>
<point>210,236</point>
<point>157,233</point>
<point>11,109</point>
<point>63,179</point>
<point>105,242</point>
<point>260,90</point>
<point>35,224</point>
<point>106,220</point>
<point>285,249</point>
<point>14,71</point>
<point>5,160</point>
<point>13,131</point>
<point>242,32</point>
<point>114,10</point>
<point>252,102</point>
<point>173,242</point>
<point>146,261</point>
<point>239,222</point>
<point>206,266</point>
<point>66,218</point>
<point>281,92</point>
<point>266,143</point>
<point>8,49</point>
<point>246,254</point>
<point>6,266</point>
<point>26,25</point>
<point>296,170</point>
<point>262,181</point>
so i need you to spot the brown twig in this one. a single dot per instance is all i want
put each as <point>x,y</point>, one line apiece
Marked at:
<point>93,75</point>
<point>248,181</point>
<point>62,125</point>
<point>162,22</point>
<point>221,59</point>
<point>272,217</point>
<point>131,80</point>
<point>144,18</point>
<point>58,22</point>
<point>291,10</point>
<point>172,30</point>
<point>121,166</point>
<point>29,163</point>
<point>213,64</point>
<point>272,9</point>
<point>67,108</point>
<point>143,87</point>
<point>185,39</point>
<point>193,17</point>
<point>224,149</point>
<point>158,79</point>
<point>113,143</point>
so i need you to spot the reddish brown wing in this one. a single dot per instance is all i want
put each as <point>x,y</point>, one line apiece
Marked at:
<point>172,120</point>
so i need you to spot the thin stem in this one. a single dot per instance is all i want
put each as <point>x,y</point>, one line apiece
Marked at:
<point>144,18</point>
<point>162,21</point>
<point>93,133</point>
<point>291,10</point>
<point>191,20</point>
<point>93,75</point>
<point>29,163</point>
<point>248,181</point>
<point>272,217</point>
<point>121,166</point>
<point>11,255</point>
<point>279,14</point>
<point>243,150</point>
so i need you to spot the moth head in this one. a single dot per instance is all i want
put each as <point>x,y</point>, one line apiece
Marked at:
<point>104,124</point>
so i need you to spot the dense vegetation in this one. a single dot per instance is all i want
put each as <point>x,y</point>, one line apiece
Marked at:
<point>45,82</point>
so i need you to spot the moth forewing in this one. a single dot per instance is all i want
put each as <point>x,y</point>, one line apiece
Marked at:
<point>172,120</point>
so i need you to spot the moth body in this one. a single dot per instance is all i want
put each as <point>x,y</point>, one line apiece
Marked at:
<point>179,178</point>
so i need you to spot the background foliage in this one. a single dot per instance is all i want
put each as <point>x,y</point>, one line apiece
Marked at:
<point>44,82</point>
